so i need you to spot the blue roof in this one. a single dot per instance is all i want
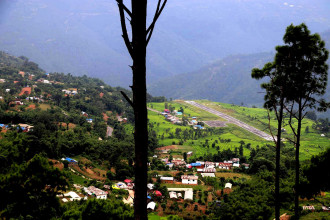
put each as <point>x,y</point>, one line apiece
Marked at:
<point>148,197</point>
<point>2,125</point>
<point>70,160</point>
<point>195,164</point>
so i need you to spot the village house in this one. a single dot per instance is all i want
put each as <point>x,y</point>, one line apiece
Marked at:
<point>25,91</point>
<point>196,165</point>
<point>21,73</point>
<point>70,160</point>
<point>151,205</point>
<point>235,160</point>
<point>173,195</point>
<point>179,163</point>
<point>223,165</point>
<point>98,193</point>
<point>310,208</point>
<point>7,90</point>
<point>26,127</point>
<point>17,102</point>
<point>84,114</point>
<point>208,174</point>
<point>170,165</point>
<point>189,179</point>
<point>166,179</point>
<point>236,165</point>
<point>188,192</point>
<point>71,196</point>
<point>209,164</point>
<point>206,170</point>
<point>189,154</point>
<point>325,209</point>
<point>246,165</point>
<point>202,163</point>
<point>89,120</point>
<point>188,195</point>
<point>228,185</point>
<point>31,76</point>
<point>2,80</point>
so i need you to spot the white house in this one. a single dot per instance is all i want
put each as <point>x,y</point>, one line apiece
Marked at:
<point>173,195</point>
<point>188,179</point>
<point>72,196</point>
<point>188,195</point>
<point>151,205</point>
<point>208,174</point>
<point>98,193</point>
<point>235,164</point>
<point>228,185</point>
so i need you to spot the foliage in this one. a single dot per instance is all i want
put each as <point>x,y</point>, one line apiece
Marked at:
<point>97,209</point>
<point>30,189</point>
<point>316,173</point>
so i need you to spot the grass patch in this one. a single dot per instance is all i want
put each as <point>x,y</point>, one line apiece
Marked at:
<point>44,107</point>
<point>231,175</point>
<point>78,179</point>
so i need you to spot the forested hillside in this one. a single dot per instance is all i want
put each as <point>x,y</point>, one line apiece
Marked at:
<point>46,116</point>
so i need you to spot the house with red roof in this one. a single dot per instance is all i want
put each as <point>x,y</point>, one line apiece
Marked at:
<point>25,91</point>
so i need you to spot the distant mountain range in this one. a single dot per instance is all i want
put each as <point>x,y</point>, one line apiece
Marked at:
<point>228,80</point>
<point>84,36</point>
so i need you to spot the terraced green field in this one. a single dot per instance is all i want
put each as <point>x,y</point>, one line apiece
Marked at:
<point>311,143</point>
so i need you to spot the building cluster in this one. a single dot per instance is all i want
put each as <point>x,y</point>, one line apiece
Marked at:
<point>23,127</point>
<point>205,167</point>
<point>92,191</point>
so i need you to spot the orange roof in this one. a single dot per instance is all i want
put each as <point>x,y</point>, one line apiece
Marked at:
<point>101,94</point>
<point>21,73</point>
<point>25,91</point>
<point>16,81</point>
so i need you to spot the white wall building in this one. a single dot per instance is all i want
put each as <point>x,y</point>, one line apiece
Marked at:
<point>189,179</point>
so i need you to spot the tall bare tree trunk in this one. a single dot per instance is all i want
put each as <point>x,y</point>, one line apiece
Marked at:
<point>139,14</point>
<point>296,197</point>
<point>278,157</point>
<point>137,49</point>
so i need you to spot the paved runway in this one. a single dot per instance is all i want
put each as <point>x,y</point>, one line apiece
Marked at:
<point>233,121</point>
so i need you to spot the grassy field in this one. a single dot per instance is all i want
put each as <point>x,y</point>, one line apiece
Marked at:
<point>154,216</point>
<point>231,175</point>
<point>78,179</point>
<point>311,143</point>
<point>44,107</point>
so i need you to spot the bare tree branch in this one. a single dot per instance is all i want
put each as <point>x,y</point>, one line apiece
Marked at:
<point>270,129</point>
<point>156,16</point>
<point>290,120</point>
<point>123,27</point>
<point>124,7</point>
<point>127,99</point>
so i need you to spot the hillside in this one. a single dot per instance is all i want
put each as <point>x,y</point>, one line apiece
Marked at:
<point>228,135</point>
<point>84,36</point>
<point>228,80</point>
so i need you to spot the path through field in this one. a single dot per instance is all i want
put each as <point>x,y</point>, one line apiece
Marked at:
<point>233,121</point>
